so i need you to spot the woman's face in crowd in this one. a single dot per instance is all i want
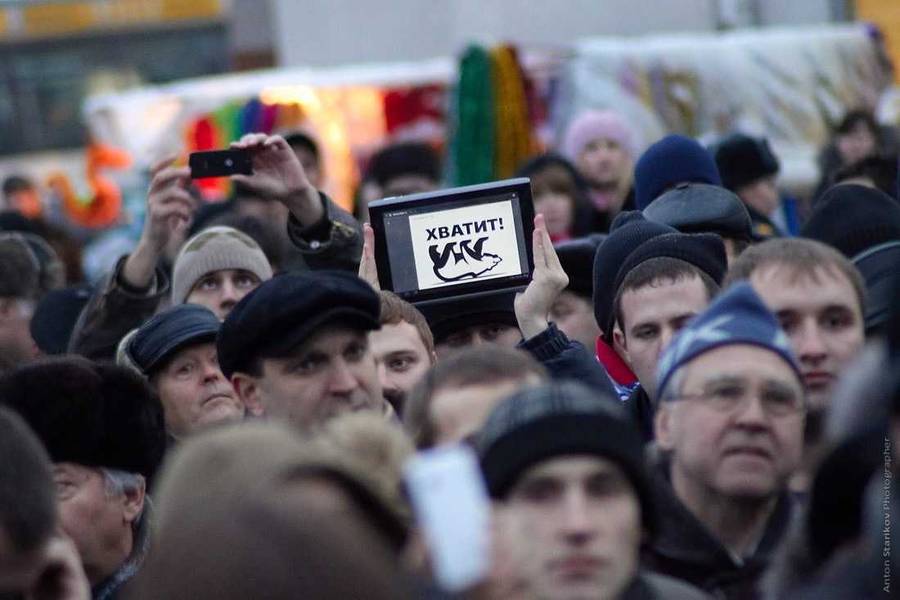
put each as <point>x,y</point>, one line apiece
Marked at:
<point>856,144</point>
<point>558,211</point>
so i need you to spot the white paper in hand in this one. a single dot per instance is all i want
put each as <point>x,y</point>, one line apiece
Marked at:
<point>451,504</point>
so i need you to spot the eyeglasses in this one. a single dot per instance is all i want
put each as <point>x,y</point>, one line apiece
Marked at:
<point>725,398</point>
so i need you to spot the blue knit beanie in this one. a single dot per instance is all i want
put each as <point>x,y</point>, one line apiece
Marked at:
<point>737,316</point>
<point>672,160</point>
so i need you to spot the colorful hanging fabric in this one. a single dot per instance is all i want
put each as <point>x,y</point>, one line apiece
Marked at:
<point>205,134</point>
<point>408,107</point>
<point>473,131</point>
<point>513,138</point>
<point>250,117</point>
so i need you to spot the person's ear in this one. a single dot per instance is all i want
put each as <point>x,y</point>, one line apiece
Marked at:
<point>133,503</point>
<point>247,390</point>
<point>6,307</point>
<point>619,344</point>
<point>662,426</point>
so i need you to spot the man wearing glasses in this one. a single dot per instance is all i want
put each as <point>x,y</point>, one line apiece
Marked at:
<point>730,433</point>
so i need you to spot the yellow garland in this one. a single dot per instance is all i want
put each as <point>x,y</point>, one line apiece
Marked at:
<point>513,136</point>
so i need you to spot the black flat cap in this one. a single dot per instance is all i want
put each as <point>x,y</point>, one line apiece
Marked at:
<point>272,320</point>
<point>577,260</point>
<point>170,331</point>
<point>702,208</point>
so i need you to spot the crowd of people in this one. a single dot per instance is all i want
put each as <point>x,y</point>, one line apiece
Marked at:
<point>696,395</point>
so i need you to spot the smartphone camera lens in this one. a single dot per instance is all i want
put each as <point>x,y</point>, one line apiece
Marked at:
<point>229,163</point>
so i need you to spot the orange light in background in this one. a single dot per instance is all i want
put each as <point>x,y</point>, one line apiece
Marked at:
<point>343,120</point>
<point>886,15</point>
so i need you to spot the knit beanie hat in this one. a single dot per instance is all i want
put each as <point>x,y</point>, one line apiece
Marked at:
<point>216,249</point>
<point>742,159</point>
<point>598,124</point>
<point>559,419</point>
<point>577,260</point>
<point>703,250</point>
<point>737,316</point>
<point>854,218</point>
<point>629,230</point>
<point>673,159</point>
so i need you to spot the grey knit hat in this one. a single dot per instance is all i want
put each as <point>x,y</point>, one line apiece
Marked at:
<point>216,249</point>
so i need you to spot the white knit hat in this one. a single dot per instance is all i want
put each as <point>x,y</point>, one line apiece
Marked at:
<point>216,249</point>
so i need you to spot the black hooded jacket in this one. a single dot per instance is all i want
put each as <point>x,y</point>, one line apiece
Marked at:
<point>686,550</point>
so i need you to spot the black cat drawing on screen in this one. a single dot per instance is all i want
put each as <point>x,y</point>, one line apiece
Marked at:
<point>468,260</point>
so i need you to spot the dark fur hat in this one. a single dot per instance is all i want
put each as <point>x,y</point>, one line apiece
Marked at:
<point>92,414</point>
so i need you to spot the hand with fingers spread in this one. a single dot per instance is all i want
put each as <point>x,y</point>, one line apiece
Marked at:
<point>368,269</point>
<point>547,281</point>
<point>170,208</point>
<point>279,175</point>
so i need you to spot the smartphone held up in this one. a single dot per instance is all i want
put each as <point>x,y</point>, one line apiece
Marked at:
<point>220,163</point>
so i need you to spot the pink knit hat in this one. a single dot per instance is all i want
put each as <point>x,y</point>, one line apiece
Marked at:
<point>594,124</point>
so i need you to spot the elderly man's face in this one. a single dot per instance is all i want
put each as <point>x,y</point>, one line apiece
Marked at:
<point>98,519</point>
<point>735,428</point>
<point>193,391</point>
<point>331,373</point>
<point>821,315</point>
<point>578,522</point>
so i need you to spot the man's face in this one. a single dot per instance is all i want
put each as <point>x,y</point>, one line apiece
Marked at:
<point>193,391</point>
<point>331,373</point>
<point>821,315</point>
<point>478,335</point>
<point>98,521</point>
<point>581,518</point>
<point>402,359</point>
<point>219,291</point>
<point>574,316</point>
<point>16,344</point>
<point>651,316</point>
<point>457,412</point>
<point>745,452</point>
<point>310,165</point>
<point>762,195</point>
<point>603,162</point>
